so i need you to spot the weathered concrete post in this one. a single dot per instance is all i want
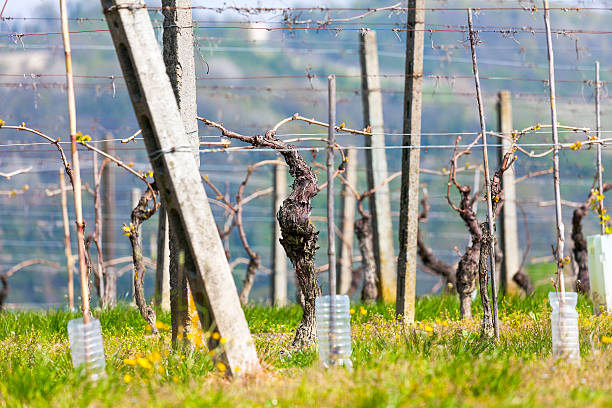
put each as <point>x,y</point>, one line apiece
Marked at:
<point>508,228</point>
<point>347,226</point>
<point>376,165</point>
<point>136,194</point>
<point>279,283</point>
<point>162,271</point>
<point>67,243</point>
<point>180,67</point>
<point>109,225</point>
<point>177,176</point>
<point>409,201</point>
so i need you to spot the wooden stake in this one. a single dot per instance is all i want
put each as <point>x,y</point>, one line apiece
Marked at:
<point>331,234</point>
<point>76,169</point>
<point>485,158</point>
<point>376,167</point>
<point>555,138</point>
<point>178,178</point>
<point>67,244</point>
<point>279,286</point>
<point>598,132</point>
<point>347,227</point>
<point>409,199</point>
<point>508,227</point>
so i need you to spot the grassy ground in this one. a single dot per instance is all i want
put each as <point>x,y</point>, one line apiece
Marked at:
<point>438,362</point>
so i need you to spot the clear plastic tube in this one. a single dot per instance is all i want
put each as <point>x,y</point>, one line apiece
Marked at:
<point>564,326</point>
<point>334,341</point>
<point>86,346</point>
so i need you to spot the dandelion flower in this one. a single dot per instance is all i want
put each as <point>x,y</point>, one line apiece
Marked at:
<point>127,378</point>
<point>129,361</point>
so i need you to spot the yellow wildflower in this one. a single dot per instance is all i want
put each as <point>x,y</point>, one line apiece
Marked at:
<point>216,336</point>
<point>428,328</point>
<point>127,378</point>
<point>222,340</point>
<point>144,363</point>
<point>352,311</point>
<point>220,366</point>
<point>154,357</point>
<point>363,311</point>
<point>129,361</point>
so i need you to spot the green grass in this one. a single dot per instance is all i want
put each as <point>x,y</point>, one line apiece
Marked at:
<point>439,361</point>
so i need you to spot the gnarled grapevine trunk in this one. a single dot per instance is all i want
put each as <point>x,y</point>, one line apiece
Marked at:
<point>483,275</point>
<point>581,255</point>
<point>298,235</point>
<point>299,239</point>
<point>140,214</point>
<point>363,230</point>
<point>428,259</point>
<point>249,279</point>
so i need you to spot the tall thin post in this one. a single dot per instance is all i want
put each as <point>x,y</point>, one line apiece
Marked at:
<point>178,179</point>
<point>409,199</point>
<point>76,168</point>
<point>485,159</point>
<point>555,137</point>
<point>331,234</point>
<point>109,225</point>
<point>508,227</point>
<point>598,132</point>
<point>376,167</point>
<point>347,226</point>
<point>67,244</point>
<point>162,272</point>
<point>98,229</point>
<point>279,287</point>
<point>180,66</point>
<point>135,198</point>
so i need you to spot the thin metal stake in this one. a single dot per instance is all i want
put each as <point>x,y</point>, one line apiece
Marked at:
<point>485,158</point>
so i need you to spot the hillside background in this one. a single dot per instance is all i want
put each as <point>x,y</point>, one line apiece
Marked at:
<point>31,225</point>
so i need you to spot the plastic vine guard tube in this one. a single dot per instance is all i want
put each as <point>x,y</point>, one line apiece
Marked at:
<point>86,347</point>
<point>600,271</point>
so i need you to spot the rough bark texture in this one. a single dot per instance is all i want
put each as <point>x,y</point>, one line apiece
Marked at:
<point>365,238</point>
<point>249,279</point>
<point>468,266</point>
<point>298,235</point>
<point>299,239</point>
<point>486,329</point>
<point>426,254</point>
<point>4,291</point>
<point>524,282</point>
<point>467,269</point>
<point>581,255</point>
<point>140,214</point>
